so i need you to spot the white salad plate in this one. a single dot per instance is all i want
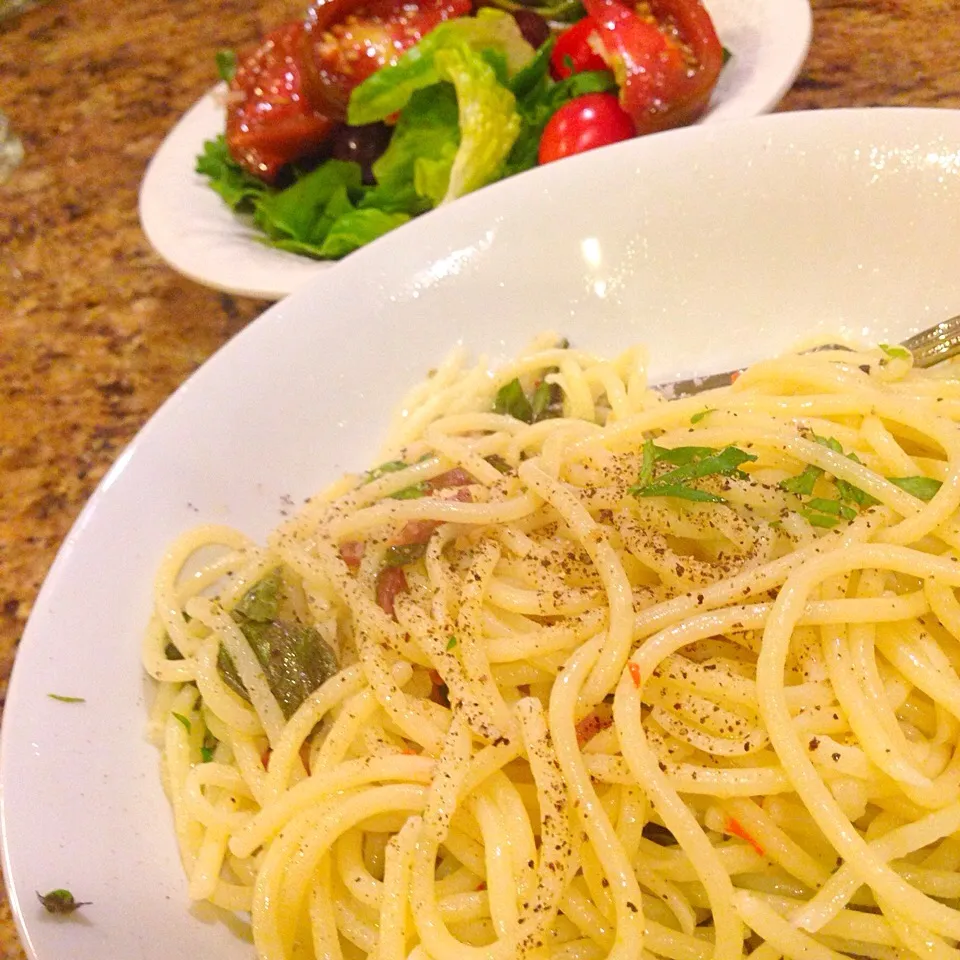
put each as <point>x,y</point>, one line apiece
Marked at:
<point>715,246</point>
<point>199,236</point>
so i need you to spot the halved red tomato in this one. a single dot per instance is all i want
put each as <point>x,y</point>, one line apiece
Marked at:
<point>348,41</point>
<point>270,122</point>
<point>289,93</point>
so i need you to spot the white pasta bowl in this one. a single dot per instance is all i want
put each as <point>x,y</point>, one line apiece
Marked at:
<point>715,246</point>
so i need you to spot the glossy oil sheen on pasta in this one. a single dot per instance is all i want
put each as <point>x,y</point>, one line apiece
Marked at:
<point>635,679</point>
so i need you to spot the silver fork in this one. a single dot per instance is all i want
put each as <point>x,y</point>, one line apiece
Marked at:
<point>933,345</point>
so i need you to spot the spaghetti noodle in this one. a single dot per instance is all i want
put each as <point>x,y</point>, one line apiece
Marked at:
<point>580,672</point>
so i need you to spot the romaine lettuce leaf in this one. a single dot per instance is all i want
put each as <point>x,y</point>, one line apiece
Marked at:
<point>424,144</point>
<point>306,210</point>
<point>489,122</point>
<point>237,187</point>
<point>389,90</point>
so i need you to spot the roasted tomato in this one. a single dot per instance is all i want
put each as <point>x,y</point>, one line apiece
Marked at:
<point>347,41</point>
<point>270,123</point>
<point>292,90</point>
<point>666,57</point>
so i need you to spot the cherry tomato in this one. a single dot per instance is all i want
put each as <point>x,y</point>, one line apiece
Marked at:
<point>666,59</point>
<point>270,122</point>
<point>288,94</point>
<point>573,53</point>
<point>342,53</point>
<point>586,122</point>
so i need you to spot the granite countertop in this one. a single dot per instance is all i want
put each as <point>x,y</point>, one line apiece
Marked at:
<point>95,331</point>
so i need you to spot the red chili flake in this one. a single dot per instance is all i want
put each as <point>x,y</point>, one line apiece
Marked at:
<point>734,828</point>
<point>265,758</point>
<point>482,885</point>
<point>591,725</point>
<point>390,582</point>
<point>735,376</point>
<point>409,753</point>
<point>351,553</point>
<point>634,669</point>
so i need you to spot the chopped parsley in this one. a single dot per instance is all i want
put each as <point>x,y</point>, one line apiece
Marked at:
<point>65,699</point>
<point>451,642</point>
<point>697,417</point>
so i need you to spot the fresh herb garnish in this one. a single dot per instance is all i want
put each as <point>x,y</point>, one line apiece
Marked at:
<point>498,463</point>
<point>402,554</point>
<point>821,512</point>
<point>691,463</point>
<point>451,642</point>
<point>545,402</point>
<point>296,660</point>
<point>61,901</point>
<point>65,699</point>
<point>184,720</point>
<point>206,754</point>
<point>413,492</point>
<point>802,484</point>
<point>896,352</point>
<point>226,65</point>
<point>697,417</point>
<point>924,488</point>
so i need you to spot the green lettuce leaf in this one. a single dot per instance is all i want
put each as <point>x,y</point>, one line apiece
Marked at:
<point>489,122</point>
<point>388,91</point>
<point>356,229</point>
<point>423,147</point>
<point>306,210</point>
<point>237,187</point>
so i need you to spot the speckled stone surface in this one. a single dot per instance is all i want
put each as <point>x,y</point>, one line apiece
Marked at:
<point>95,331</point>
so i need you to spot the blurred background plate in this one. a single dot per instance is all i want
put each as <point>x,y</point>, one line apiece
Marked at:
<point>199,236</point>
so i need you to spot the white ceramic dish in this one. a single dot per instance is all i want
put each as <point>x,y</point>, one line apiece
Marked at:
<point>721,244</point>
<point>194,231</point>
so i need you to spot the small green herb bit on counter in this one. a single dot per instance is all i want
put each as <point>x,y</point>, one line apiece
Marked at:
<point>61,902</point>
<point>65,699</point>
